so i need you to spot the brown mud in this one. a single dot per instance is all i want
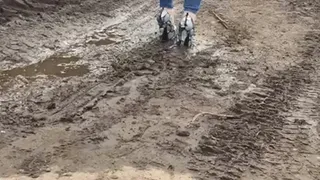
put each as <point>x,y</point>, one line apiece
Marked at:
<point>89,92</point>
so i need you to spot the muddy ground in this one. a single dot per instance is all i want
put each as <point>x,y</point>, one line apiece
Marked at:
<point>87,91</point>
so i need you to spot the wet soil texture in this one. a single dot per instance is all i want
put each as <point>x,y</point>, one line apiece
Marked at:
<point>88,91</point>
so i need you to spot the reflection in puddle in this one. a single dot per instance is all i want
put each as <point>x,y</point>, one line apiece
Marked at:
<point>53,66</point>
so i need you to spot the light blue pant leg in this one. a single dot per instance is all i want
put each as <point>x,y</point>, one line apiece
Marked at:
<point>192,5</point>
<point>166,4</point>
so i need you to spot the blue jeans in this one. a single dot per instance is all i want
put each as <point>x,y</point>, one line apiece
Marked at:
<point>189,5</point>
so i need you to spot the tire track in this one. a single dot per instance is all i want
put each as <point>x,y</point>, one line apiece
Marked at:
<point>265,132</point>
<point>298,151</point>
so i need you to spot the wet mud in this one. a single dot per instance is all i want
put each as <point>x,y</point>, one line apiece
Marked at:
<point>242,105</point>
<point>50,66</point>
<point>53,66</point>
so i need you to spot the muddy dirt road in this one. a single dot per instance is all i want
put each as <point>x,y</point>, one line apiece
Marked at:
<point>88,92</point>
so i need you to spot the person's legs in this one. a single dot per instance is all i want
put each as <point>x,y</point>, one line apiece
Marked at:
<point>186,26</point>
<point>166,4</point>
<point>166,20</point>
<point>192,7</point>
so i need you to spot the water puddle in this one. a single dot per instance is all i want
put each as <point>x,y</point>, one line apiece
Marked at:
<point>60,66</point>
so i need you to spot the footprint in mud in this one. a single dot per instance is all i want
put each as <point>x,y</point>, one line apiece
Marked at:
<point>60,66</point>
<point>105,38</point>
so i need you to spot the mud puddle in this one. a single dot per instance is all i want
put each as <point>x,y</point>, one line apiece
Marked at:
<point>58,65</point>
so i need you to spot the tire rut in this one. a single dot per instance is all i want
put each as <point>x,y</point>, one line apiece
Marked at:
<point>298,151</point>
<point>260,128</point>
